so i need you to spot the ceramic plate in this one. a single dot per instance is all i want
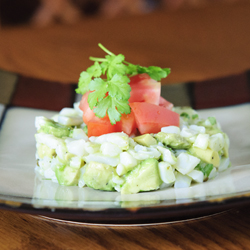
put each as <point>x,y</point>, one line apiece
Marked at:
<point>21,190</point>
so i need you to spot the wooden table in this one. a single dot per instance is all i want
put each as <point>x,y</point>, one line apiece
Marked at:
<point>198,44</point>
<point>227,230</point>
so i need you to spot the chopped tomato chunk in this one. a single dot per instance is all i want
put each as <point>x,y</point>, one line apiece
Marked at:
<point>127,124</point>
<point>144,89</point>
<point>99,126</point>
<point>149,111</point>
<point>151,118</point>
<point>88,114</point>
<point>165,103</point>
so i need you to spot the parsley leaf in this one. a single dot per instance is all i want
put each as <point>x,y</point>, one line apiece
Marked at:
<point>86,77</point>
<point>115,65</point>
<point>154,72</point>
<point>95,70</point>
<point>118,87</point>
<point>83,83</point>
<point>99,89</point>
<point>112,107</point>
<point>110,96</point>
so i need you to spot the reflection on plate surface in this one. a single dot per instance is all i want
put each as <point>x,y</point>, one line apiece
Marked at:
<point>229,183</point>
<point>20,187</point>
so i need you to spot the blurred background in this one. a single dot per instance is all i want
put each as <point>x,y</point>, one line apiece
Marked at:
<point>45,44</point>
<point>45,12</point>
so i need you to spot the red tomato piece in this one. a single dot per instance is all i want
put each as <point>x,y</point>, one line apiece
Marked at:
<point>151,118</point>
<point>139,77</point>
<point>99,126</point>
<point>165,103</point>
<point>88,113</point>
<point>127,124</point>
<point>144,89</point>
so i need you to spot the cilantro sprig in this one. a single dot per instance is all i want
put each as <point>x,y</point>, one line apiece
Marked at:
<point>108,82</point>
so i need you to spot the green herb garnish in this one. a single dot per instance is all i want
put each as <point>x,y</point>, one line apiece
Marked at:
<point>185,115</point>
<point>196,116</point>
<point>212,120</point>
<point>205,168</point>
<point>108,80</point>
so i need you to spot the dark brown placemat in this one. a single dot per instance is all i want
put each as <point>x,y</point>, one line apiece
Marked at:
<point>25,91</point>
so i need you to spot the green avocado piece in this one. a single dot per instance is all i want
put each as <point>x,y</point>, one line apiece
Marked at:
<point>173,140</point>
<point>67,175</point>
<point>144,177</point>
<point>66,158</point>
<point>99,176</point>
<point>226,146</point>
<point>206,155</point>
<point>212,131</point>
<point>43,150</point>
<point>145,140</point>
<point>186,113</point>
<point>54,128</point>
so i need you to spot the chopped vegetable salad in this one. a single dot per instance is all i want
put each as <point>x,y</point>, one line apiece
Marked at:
<point>123,136</point>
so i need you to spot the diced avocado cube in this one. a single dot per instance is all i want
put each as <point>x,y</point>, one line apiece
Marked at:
<point>66,158</point>
<point>173,140</point>
<point>226,146</point>
<point>76,162</point>
<point>99,176</point>
<point>43,150</point>
<point>49,126</point>
<point>144,177</point>
<point>206,155</point>
<point>145,140</point>
<point>212,130</point>
<point>67,175</point>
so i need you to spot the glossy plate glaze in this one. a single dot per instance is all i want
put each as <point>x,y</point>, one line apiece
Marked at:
<point>21,190</point>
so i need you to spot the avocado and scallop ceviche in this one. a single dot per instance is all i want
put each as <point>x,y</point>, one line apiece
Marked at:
<point>178,156</point>
<point>123,136</point>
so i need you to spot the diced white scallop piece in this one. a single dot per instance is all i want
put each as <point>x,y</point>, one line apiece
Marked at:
<point>110,149</point>
<point>70,121</point>
<point>167,155</point>
<point>216,142</point>
<point>213,173</point>
<point>120,139</point>
<point>199,129</point>
<point>68,112</point>
<point>144,153</point>
<point>186,163</point>
<point>128,160</point>
<point>40,121</point>
<point>77,108</point>
<point>196,175</point>
<point>112,161</point>
<point>92,147</point>
<point>120,169</point>
<point>171,130</point>
<point>182,181</point>
<point>75,162</point>
<point>49,140</point>
<point>77,147</point>
<point>166,172</point>
<point>61,150</point>
<point>201,141</point>
<point>78,133</point>
<point>187,132</point>
<point>224,164</point>
<point>49,174</point>
<point>81,182</point>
